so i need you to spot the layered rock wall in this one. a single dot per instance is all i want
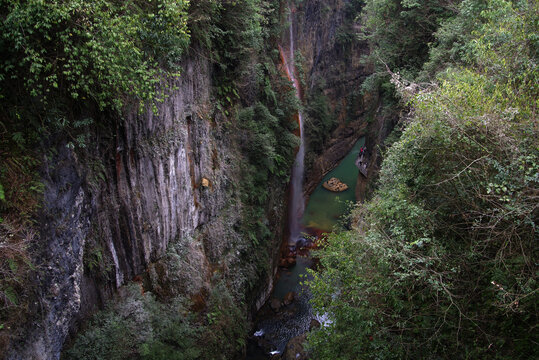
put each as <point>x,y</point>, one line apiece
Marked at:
<point>153,182</point>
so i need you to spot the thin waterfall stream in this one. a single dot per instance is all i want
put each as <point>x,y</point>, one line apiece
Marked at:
<point>297,200</point>
<point>278,322</point>
<point>288,313</point>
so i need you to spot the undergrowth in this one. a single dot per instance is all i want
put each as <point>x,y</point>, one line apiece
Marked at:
<point>138,326</point>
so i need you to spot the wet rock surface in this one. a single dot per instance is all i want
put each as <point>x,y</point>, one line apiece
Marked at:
<point>287,262</point>
<point>275,304</point>
<point>289,298</point>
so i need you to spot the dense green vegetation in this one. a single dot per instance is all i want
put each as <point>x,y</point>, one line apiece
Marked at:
<point>139,326</point>
<point>104,52</point>
<point>442,261</point>
<point>319,122</point>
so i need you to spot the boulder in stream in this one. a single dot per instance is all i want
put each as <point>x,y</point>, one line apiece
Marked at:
<point>335,185</point>
<point>275,304</point>
<point>287,262</point>
<point>294,349</point>
<point>205,182</point>
<point>289,298</point>
<point>315,324</point>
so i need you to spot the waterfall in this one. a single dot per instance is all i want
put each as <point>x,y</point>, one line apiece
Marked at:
<point>297,200</point>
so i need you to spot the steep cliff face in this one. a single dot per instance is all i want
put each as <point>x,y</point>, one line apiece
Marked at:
<point>158,202</point>
<point>332,56</point>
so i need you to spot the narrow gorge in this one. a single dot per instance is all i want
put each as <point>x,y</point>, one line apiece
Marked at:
<point>268,179</point>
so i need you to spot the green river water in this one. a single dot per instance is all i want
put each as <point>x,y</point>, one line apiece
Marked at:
<point>325,208</point>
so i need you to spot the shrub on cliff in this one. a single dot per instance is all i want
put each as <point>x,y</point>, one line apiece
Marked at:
<point>101,50</point>
<point>137,326</point>
<point>318,122</point>
<point>400,32</point>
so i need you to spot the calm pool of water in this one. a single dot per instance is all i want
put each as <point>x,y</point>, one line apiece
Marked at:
<point>325,208</point>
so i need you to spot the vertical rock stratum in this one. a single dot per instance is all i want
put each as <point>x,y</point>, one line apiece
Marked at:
<point>165,179</point>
